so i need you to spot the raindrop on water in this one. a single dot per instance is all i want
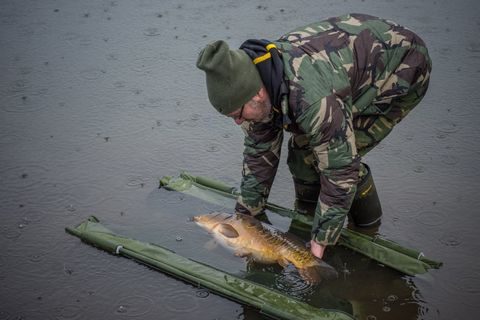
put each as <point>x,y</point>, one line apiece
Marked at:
<point>450,240</point>
<point>134,306</point>
<point>392,298</point>
<point>419,169</point>
<point>203,293</point>
<point>212,148</point>
<point>151,32</point>
<point>35,258</point>
<point>122,309</point>
<point>449,159</point>
<point>68,312</point>
<point>446,126</point>
<point>431,218</point>
<point>12,234</point>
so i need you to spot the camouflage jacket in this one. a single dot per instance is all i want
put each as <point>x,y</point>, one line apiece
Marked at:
<point>330,68</point>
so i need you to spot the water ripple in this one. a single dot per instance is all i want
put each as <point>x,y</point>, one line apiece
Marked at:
<point>449,159</point>
<point>73,38</point>
<point>446,126</point>
<point>137,181</point>
<point>133,306</point>
<point>213,147</point>
<point>24,102</point>
<point>21,177</point>
<point>289,281</point>
<point>11,233</point>
<point>464,286</point>
<point>431,218</point>
<point>69,197</point>
<point>17,86</point>
<point>181,301</point>
<point>9,139</point>
<point>92,74</point>
<point>450,239</point>
<point>68,312</point>
<point>145,65</point>
<point>407,206</point>
<point>152,32</point>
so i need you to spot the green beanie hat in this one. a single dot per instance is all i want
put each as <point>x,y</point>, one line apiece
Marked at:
<point>232,78</point>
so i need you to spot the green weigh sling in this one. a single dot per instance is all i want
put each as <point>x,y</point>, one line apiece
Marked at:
<point>388,253</point>
<point>270,302</point>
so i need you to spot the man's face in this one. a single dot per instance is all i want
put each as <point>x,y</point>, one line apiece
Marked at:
<point>257,110</point>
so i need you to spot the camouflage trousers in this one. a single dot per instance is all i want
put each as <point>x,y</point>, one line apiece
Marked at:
<point>374,116</point>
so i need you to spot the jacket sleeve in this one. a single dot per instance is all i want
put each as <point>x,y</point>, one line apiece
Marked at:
<point>263,141</point>
<point>328,123</point>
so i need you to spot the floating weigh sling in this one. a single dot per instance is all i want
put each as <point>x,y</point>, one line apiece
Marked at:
<point>386,252</point>
<point>270,302</point>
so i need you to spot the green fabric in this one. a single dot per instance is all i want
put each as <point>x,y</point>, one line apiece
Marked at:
<point>232,78</point>
<point>270,302</point>
<point>386,252</point>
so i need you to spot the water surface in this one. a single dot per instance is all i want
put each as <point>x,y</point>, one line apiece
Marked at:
<point>98,99</point>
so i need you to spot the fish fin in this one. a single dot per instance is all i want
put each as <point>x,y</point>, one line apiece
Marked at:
<point>211,244</point>
<point>228,230</point>
<point>242,254</point>
<point>283,262</point>
<point>318,272</point>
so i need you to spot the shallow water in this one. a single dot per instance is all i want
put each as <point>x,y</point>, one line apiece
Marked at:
<point>98,99</point>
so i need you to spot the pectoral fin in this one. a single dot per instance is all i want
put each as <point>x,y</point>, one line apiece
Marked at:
<point>241,253</point>
<point>227,230</point>
<point>283,262</point>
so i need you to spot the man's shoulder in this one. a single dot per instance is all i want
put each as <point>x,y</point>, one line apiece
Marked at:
<point>351,24</point>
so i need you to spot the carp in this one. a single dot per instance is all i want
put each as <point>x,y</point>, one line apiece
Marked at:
<point>248,237</point>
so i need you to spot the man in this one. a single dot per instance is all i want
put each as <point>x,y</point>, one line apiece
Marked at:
<point>339,86</point>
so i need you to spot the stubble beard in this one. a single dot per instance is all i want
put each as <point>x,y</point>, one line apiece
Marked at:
<point>265,108</point>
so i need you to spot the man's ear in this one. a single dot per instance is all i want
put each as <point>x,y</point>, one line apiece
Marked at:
<point>261,95</point>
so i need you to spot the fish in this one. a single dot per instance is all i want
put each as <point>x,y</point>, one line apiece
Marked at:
<point>248,237</point>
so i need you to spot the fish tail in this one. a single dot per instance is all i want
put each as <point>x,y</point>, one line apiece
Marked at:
<point>318,272</point>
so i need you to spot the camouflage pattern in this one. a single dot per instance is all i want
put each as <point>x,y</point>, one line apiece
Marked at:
<point>351,79</point>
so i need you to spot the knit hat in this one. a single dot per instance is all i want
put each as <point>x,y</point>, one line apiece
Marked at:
<point>232,78</point>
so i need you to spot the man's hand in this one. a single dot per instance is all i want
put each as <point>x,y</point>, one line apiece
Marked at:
<point>317,249</point>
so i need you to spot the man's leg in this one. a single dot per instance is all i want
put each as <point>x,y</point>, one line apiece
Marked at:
<point>404,89</point>
<point>397,92</point>
<point>366,210</point>
<point>306,182</point>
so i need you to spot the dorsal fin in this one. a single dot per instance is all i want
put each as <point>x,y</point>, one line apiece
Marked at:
<point>228,230</point>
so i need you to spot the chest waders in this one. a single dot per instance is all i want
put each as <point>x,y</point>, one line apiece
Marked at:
<point>366,210</point>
